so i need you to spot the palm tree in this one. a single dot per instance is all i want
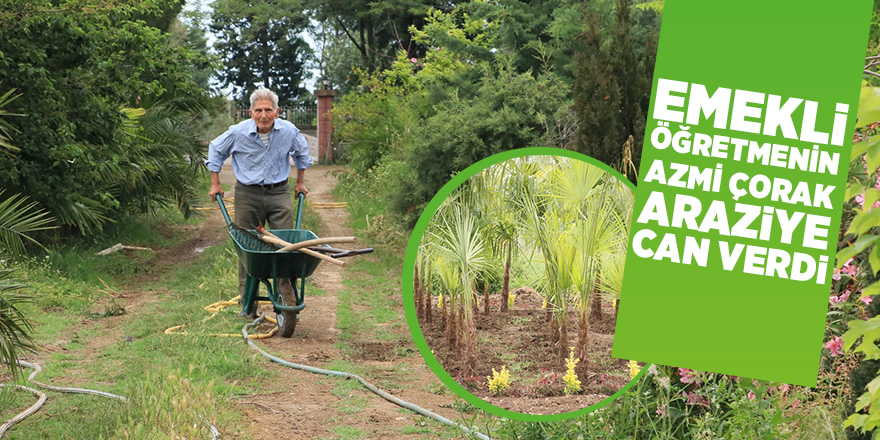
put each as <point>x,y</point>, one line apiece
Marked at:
<point>18,218</point>
<point>548,228</point>
<point>461,247</point>
<point>600,236</point>
<point>497,194</point>
<point>5,127</point>
<point>15,330</point>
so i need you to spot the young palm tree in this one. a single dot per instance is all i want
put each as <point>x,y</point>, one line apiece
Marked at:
<point>600,236</point>
<point>460,246</point>
<point>15,330</point>
<point>5,127</point>
<point>547,228</point>
<point>17,219</point>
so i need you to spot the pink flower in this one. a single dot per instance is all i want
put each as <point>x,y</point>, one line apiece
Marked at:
<point>866,299</point>
<point>688,376</point>
<point>835,346</point>
<point>414,60</point>
<point>839,299</point>
<point>695,399</point>
<point>751,395</point>
<point>661,410</point>
<point>848,269</point>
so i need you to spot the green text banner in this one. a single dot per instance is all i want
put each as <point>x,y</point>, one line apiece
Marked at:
<point>741,186</point>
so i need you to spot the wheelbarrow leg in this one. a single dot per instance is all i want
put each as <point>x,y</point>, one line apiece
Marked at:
<point>249,301</point>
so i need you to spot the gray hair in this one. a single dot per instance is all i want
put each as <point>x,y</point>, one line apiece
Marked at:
<point>262,93</point>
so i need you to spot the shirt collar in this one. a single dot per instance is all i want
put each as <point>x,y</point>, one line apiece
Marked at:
<point>252,125</point>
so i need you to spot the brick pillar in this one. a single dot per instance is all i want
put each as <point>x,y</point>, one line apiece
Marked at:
<point>325,128</point>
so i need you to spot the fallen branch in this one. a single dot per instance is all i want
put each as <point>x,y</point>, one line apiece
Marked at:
<point>119,246</point>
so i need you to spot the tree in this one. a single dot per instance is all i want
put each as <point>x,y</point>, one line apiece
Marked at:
<point>89,60</point>
<point>17,219</point>
<point>508,111</point>
<point>460,247</point>
<point>259,44</point>
<point>15,329</point>
<point>378,29</point>
<point>614,65</point>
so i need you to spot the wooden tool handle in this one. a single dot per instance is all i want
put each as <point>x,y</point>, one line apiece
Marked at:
<point>274,240</point>
<point>322,256</point>
<point>262,230</point>
<point>278,241</point>
<point>326,240</point>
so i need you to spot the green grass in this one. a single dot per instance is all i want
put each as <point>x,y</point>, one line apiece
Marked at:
<point>168,375</point>
<point>437,387</point>
<point>141,362</point>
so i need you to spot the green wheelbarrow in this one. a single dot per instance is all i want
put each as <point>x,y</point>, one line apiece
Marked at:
<point>264,264</point>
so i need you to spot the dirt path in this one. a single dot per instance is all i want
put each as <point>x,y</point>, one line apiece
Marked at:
<point>297,404</point>
<point>305,406</point>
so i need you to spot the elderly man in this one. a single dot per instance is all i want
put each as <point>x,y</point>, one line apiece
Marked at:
<point>260,149</point>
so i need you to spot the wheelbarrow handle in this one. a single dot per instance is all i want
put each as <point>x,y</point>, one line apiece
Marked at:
<point>223,211</point>
<point>350,253</point>
<point>299,210</point>
<point>337,253</point>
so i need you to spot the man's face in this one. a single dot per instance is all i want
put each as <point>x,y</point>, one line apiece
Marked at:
<point>264,114</point>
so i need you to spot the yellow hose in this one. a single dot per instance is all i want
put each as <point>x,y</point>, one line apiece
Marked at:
<point>218,307</point>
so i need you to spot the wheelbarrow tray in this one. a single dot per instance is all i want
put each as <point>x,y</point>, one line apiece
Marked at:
<point>263,261</point>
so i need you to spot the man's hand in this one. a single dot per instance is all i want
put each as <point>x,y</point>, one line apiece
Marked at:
<point>216,188</point>
<point>300,188</point>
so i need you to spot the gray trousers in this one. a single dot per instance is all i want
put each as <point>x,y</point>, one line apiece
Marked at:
<point>256,206</point>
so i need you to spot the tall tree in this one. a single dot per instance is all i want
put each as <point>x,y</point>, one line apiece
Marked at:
<point>260,44</point>
<point>613,68</point>
<point>379,29</point>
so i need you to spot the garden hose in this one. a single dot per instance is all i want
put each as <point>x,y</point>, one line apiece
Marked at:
<point>42,398</point>
<point>218,307</point>
<point>26,413</point>
<point>367,385</point>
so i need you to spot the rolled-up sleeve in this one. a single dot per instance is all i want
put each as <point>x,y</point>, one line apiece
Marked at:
<point>219,149</point>
<point>300,152</point>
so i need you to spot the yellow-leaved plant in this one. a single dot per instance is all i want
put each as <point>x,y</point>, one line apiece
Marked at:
<point>572,384</point>
<point>633,369</point>
<point>499,382</point>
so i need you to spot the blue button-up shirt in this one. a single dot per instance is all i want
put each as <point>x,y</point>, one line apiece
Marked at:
<point>254,163</point>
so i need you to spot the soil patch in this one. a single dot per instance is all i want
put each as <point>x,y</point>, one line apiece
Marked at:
<point>520,340</point>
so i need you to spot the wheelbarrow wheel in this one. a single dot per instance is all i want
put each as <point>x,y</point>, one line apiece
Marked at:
<point>286,320</point>
<point>286,323</point>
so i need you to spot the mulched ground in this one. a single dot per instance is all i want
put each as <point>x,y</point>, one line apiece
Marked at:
<point>519,339</point>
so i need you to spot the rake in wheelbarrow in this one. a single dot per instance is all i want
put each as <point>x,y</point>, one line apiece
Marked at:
<point>265,263</point>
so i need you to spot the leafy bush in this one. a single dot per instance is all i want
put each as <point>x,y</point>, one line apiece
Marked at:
<point>78,64</point>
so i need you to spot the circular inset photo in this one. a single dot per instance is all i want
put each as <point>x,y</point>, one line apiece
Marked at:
<point>512,279</point>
